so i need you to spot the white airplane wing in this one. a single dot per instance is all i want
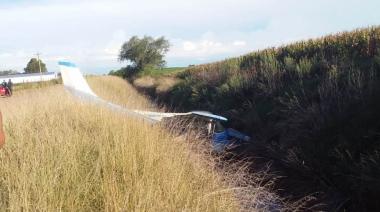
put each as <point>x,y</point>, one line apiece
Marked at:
<point>74,82</point>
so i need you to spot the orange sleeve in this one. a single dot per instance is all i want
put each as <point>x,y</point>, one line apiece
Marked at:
<point>2,136</point>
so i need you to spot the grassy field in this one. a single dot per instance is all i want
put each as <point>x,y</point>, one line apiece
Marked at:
<point>23,86</point>
<point>153,80</point>
<point>170,71</point>
<point>156,85</point>
<point>148,71</point>
<point>61,154</point>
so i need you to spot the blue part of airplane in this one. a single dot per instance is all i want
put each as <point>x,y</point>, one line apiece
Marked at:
<point>66,63</point>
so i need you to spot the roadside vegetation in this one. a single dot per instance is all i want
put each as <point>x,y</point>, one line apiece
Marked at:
<point>62,154</point>
<point>313,105</point>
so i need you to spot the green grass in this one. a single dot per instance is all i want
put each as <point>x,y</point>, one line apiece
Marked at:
<point>170,71</point>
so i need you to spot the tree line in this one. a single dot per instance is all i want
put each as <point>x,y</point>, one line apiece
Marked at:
<point>33,66</point>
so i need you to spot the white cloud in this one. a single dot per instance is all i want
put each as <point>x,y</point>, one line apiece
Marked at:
<point>113,46</point>
<point>239,43</point>
<point>196,48</point>
<point>6,54</point>
<point>189,46</point>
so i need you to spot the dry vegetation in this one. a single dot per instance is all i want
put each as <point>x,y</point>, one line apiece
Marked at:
<point>158,85</point>
<point>33,85</point>
<point>119,92</point>
<point>61,154</point>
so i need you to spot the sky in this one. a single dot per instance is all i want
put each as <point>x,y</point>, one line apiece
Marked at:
<point>90,33</point>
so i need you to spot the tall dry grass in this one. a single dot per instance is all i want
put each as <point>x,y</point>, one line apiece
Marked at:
<point>61,154</point>
<point>253,191</point>
<point>120,92</point>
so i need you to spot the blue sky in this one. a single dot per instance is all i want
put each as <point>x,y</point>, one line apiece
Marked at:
<point>90,33</point>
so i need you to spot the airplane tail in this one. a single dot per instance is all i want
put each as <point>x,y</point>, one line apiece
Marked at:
<point>73,78</point>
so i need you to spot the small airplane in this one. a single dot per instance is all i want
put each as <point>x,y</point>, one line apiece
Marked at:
<point>75,83</point>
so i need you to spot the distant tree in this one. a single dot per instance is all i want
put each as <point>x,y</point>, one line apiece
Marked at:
<point>144,52</point>
<point>33,66</point>
<point>119,73</point>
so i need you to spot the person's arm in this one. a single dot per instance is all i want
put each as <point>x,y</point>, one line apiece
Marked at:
<point>2,136</point>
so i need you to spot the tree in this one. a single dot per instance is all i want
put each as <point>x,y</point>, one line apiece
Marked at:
<point>144,52</point>
<point>34,67</point>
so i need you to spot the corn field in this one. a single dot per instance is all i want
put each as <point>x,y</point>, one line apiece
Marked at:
<point>314,103</point>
